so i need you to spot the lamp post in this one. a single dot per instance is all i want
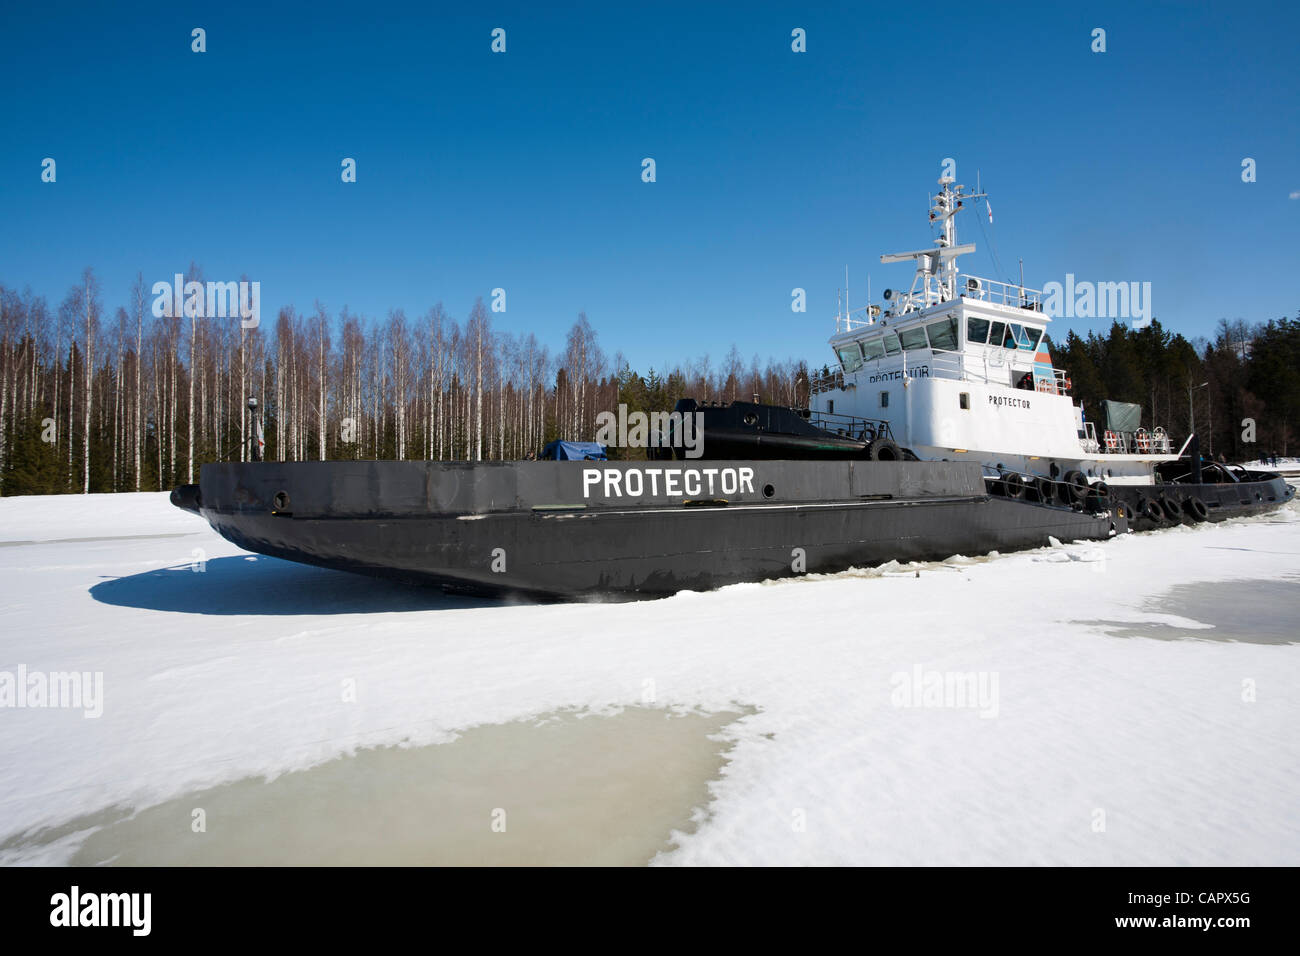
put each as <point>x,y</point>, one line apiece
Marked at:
<point>1195,450</point>
<point>1191,407</point>
<point>257,441</point>
<point>1209,413</point>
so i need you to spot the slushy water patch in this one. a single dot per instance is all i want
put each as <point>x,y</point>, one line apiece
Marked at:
<point>1252,611</point>
<point>571,788</point>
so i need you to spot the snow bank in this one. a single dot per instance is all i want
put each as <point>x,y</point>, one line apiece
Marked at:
<point>52,517</point>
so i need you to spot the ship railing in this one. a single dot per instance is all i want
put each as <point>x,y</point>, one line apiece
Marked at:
<point>1055,382</point>
<point>851,426</point>
<point>856,319</point>
<point>947,363</point>
<point>830,382</point>
<point>1002,293</point>
<point>991,368</point>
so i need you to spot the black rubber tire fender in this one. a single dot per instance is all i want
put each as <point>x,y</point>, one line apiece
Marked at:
<point>1172,507</point>
<point>1076,485</point>
<point>1148,509</point>
<point>1046,489</point>
<point>883,449</point>
<point>1195,509</point>
<point>1013,484</point>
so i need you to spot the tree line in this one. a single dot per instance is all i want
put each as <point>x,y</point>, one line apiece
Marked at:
<point>130,401</point>
<point>92,401</point>
<point>1241,389</point>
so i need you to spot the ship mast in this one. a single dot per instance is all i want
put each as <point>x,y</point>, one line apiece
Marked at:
<point>936,269</point>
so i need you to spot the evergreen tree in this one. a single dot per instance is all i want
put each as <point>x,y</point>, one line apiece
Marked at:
<point>32,467</point>
<point>1121,371</point>
<point>1084,378</point>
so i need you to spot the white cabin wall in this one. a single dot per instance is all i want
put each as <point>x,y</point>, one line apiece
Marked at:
<point>1000,419</point>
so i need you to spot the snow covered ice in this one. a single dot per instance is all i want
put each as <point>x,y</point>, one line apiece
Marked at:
<point>1071,705</point>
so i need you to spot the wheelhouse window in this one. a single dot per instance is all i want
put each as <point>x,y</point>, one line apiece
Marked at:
<point>873,348</point>
<point>997,332</point>
<point>943,334</point>
<point>891,343</point>
<point>1021,337</point>
<point>977,330</point>
<point>850,357</point>
<point>913,339</point>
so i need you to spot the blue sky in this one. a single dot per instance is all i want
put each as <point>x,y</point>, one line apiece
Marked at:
<point>774,169</point>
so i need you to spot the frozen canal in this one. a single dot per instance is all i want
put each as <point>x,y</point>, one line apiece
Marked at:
<point>1133,702</point>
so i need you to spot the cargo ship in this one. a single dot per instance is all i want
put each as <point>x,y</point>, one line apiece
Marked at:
<point>944,428</point>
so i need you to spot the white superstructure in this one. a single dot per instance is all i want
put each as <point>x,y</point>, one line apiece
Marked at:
<point>958,367</point>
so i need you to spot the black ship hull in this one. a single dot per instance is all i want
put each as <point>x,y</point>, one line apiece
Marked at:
<point>1168,504</point>
<point>566,530</point>
<point>647,529</point>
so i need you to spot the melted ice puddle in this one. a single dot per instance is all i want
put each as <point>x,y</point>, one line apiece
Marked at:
<point>1251,611</point>
<point>563,790</point>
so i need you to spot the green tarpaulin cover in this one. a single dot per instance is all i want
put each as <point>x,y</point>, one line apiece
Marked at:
<point>1123,416</point>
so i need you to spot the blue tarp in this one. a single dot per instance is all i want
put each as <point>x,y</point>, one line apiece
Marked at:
<point>575,451</point>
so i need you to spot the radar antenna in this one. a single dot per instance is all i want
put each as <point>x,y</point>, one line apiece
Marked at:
<point>936,269</point>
